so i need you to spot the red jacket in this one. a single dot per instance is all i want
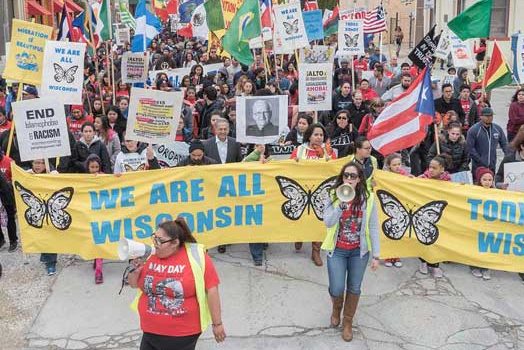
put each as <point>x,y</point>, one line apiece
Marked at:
<point>5,167</point>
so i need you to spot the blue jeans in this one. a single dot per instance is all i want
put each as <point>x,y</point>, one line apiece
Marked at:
<point>49,259</point>
<point>346,271</point>
<point>257,251</point>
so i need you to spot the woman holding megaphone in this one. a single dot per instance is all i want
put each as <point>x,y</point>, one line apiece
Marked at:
<point>179,287</point>
<point>351,218</point>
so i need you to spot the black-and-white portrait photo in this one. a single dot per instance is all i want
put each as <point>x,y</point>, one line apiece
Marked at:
<point>261,118</point>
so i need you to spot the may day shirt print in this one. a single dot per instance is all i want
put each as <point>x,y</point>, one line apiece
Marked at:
<point>168,305</point>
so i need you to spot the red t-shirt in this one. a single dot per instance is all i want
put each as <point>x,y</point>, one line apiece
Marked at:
<point>168,305</point>
<point>5,126</point>
<point>5,167</point>
<point>466,106</point>
<point>75,125</point>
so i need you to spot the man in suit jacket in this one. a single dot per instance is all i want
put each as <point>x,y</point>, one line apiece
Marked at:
<point>223,149</point>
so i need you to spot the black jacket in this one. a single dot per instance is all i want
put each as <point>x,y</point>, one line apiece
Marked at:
<point>443,107</point>
<point>457,150</point>
<point>357,114</point>
<point>82,151</point>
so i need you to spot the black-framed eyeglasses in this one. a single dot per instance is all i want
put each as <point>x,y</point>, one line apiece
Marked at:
<point>351,176</point>
<point>159,241</point>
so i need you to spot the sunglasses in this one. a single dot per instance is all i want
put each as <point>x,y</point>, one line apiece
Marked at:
<point>351,176</point>
<point>342,118</point>
<point>159,241</point>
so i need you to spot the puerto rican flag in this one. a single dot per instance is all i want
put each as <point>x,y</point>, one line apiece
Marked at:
<point>404,122</point>
<point>65,28</point>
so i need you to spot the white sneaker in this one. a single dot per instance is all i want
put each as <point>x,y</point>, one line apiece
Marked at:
<point>388,264</point>
<point>476,273</point>
<point>398,264</point>
<point>486,274</point>
<point>436,272</point>
<point>423,268</point>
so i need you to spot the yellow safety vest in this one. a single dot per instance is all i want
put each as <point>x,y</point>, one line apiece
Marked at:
<point>197,261</point>
<point>331,235</point>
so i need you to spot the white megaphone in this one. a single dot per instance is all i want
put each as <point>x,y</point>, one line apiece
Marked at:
<point>129,249</point>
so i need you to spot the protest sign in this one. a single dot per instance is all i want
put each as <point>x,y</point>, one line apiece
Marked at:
<point>243,203</point>
<point>289,27</point>
<point>517,46</point>
<point>354,13</point>
<point>153,115</point>
<point>317,54</point>
<point>315,86</point>
<point>212,68</point>
<point>461,52</point>
<point>261,119</point>
<point>256,43</point>
<point>445,221</point>
<point>278,152</point>
<point>313,24</point>
<point>422,54</point>
<point>351,37</point>
<point>122,36</point>
<point>169,154</point>
<point>444,45</point>
<point>514,176</point>
<point>41,129</point>
<point>174,76</point>
<point>134,67</point>
<point>26,54</point>
<point>63,75</point>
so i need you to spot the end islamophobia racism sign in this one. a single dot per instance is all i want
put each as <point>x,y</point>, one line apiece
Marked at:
<point>41,129</point>
<point>63,74</point>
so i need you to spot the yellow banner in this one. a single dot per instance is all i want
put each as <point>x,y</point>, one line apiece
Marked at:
<point>232,203</point>
<point>26,52</point>
<point>443,221</point>
<point>275,202</point>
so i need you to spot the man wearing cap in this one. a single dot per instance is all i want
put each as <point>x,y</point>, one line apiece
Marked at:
<point>482,140</point>
<point>196,155</point>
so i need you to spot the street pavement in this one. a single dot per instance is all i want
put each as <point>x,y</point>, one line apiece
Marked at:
<point>285,304</point>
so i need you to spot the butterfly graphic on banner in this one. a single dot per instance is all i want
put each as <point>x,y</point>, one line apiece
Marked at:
<point>64,74</point>
<point>130,168</point>
<point>52,209</point>
<point>291,28</point>
<point>351,40</point>
<point>300,199</point>
<point>423,220</point>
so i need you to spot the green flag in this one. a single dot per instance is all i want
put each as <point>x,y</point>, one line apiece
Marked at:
<point>105,16</point>
<point>244,26</point>
<point>214,15</point>
<point>474,22</point>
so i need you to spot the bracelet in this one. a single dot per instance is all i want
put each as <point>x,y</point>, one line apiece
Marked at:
<point>216,324</point>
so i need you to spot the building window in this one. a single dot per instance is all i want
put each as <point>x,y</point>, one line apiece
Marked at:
<point>499,19</point>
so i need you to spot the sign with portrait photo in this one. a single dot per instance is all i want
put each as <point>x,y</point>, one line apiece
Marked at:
<point>461,52</point>
<point>315,86</point>
<point>261,119</point>
<point>63,75</point>
<point>41,129</point>
<point>153,115</point>
<point>317,54</point>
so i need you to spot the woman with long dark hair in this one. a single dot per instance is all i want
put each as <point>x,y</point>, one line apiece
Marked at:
<point>352,237</point>
<point>181,300</point>
<point>516,114</point>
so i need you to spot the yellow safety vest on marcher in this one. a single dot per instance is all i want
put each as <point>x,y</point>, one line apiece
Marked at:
<point>197,261</point>
<point>331,235</point>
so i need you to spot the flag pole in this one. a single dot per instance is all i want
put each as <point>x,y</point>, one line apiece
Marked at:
<point>109,49</point>
<point>90,28</point>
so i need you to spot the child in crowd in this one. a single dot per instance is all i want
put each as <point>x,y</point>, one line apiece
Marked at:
<point>49,259</point>
<point>486,179</point>
<point>393,163</point>
<point>93,165</point>
<point>436,171</point>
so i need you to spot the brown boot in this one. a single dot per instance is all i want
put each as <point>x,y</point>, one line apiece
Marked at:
<point>315,253</point>
<point>337,308</point>
<point>350,307</point>
<point>298,245</point>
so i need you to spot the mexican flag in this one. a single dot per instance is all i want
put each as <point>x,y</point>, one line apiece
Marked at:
<point>206,17</point>
<point>498,73</point>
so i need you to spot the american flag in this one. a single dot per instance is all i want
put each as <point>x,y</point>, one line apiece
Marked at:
<point>375,21</point>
